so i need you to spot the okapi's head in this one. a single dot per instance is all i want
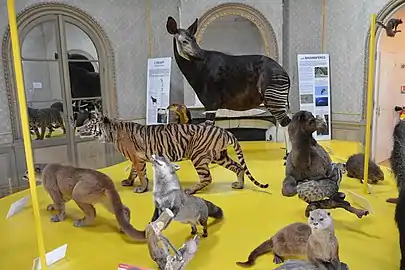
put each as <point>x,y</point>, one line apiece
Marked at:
<point>186,42</point>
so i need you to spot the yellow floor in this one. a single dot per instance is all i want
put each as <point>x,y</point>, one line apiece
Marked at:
<point>250,218</point>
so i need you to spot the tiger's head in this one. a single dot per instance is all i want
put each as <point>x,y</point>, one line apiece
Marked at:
<point>93,128</point>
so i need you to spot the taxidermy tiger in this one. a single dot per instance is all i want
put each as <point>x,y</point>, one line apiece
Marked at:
<point>45,118</point>
<point>202,144</point>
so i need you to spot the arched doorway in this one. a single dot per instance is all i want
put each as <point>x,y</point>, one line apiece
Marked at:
<point>389,74</point>
<point>67,60</point>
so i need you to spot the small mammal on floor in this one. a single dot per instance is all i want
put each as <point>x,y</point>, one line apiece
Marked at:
<point>391,26</point>
<point>323,246</point>
<point>86,187</point>
<point>355,169</point>
<point>168,193</point>
<point>289,241</point>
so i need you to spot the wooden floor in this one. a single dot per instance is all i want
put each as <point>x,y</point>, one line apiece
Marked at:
<point>251,216</point>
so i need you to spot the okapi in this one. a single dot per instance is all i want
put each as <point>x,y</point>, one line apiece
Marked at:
<point>223,81</point>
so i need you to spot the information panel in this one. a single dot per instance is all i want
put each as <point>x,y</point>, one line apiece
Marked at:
<point>158,90</point>
<point>314,88</point>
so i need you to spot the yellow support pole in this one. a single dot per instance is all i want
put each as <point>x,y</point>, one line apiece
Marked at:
<point>371,67</point>
<point>25,128</point>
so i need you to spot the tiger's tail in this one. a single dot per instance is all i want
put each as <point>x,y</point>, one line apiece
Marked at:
<point>239,153</point>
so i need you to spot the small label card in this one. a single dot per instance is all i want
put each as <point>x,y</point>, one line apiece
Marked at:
<point>361,201</point>
<point>51,257</point>
<point>124,266</point>
<point>17,206</point>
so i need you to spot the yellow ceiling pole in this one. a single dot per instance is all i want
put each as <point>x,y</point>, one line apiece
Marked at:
<point>371,66</point>
<point>25,127</point>
<point>323,26</point>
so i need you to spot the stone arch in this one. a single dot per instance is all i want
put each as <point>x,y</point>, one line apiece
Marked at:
<point>256,17</point>
<point>385,13</point>
<point>96,33</point>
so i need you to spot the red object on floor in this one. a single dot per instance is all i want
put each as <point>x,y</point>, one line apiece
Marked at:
<point>124,266</point>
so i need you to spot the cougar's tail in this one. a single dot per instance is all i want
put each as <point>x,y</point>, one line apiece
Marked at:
<point>120,216</point>
<point>213,210</point>
<point>263,248</point>
<point>239,153</point>
<point>397,162</point>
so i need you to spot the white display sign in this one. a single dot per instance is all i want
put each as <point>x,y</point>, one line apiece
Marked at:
<point>314,88</point>
<point>51,257</point>
<point>17,206</point>
<point>158,90</point>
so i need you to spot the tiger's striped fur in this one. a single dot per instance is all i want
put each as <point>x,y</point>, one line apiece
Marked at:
<point>202,144</point>
<point>45,118</point>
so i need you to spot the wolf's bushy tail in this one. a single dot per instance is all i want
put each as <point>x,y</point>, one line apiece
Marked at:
<point>239,153</point>
<point>214,211</point>
<point>263,248</point>
<point>397,162</point>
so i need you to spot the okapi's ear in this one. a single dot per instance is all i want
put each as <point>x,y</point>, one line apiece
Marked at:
<point>192,29</point>
<point>171,26</point>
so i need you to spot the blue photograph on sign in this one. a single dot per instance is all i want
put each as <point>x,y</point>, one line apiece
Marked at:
<point>321,101</point>
<point>321,90</point>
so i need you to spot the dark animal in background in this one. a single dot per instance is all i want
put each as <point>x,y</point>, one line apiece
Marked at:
<point>397,162</point>
<point>58,106</point>
<point>223,81</point>
<point>84,81</point>
<point>87,65</point>
<point>45,118</point>
<point>153,100</point>
<point>391,26</point>
<point>355,169</point>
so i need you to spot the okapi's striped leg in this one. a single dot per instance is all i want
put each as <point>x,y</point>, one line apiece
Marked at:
<point>210,117</point>
<point>203,171</point>
<point>276,101</point>
<point>228,163</point>
<point>131,177</point>
<point>140,166</point>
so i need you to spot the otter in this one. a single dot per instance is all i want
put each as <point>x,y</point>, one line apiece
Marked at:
<point>289,241</point>
<point>310,172</point>
<point>323,246</point>
<point>355,169</point>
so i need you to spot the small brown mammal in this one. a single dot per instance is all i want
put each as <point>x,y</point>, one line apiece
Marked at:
<point>289,241</point>
<point>355,169</point>
<point>323,246</point>
<point>86,187</point>
<point>391,26</point>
